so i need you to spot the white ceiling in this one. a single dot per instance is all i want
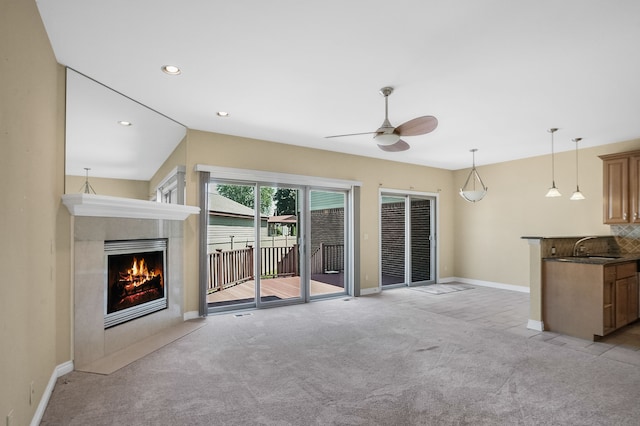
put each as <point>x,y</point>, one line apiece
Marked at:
<point>496,73</point>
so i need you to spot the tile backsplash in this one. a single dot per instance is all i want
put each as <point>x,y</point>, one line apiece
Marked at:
<point>627,237</point>
<point>564,246</point>
<point>623,239</point>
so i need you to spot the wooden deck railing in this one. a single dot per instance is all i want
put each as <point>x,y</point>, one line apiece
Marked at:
<point>279,261</point>
<point>230,267</point>
<point>327,257</point>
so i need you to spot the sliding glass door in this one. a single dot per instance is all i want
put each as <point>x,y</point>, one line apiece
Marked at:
<point>275,244</point>
<point>279,261</point>
<point>328,255</point>
<point>406,239</point>
<point>393,221</point>
<point>420,239</point>
<point>231,242</point>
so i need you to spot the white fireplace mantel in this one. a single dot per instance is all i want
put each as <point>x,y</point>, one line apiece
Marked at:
<point>107,206</point>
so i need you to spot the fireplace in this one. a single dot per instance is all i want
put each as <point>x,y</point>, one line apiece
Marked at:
<point>135,279</point>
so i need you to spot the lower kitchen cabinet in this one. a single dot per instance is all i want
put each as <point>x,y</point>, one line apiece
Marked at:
<point>608,301</point>
<point>626,296</point>
<point>587,300</point>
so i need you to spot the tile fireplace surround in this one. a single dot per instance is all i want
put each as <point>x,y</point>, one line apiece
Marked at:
<point>148,220</point>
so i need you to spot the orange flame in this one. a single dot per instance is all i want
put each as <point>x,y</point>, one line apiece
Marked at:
<point>139,273</point>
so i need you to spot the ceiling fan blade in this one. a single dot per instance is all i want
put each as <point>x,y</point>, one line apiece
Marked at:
<point>396,147</point>
<point>350,134</point>
<point>418,126</point>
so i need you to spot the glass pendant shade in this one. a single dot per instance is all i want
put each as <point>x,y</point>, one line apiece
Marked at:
<point>473,189</point>
<point>577,195</point>
<point>553,191</point>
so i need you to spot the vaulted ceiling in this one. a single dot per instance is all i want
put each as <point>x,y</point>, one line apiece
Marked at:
<point>496,73</point>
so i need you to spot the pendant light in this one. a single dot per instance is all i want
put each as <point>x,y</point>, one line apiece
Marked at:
<point>87,188</point>
<point>553,191</point>
<point>469,191</point>
<point>577,195</point>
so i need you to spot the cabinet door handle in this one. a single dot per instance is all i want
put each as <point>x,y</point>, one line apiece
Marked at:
<point>624,216</point>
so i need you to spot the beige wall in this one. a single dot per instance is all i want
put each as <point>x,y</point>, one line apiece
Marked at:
<point>137,189</point>
<point>229,151</point>
<point>34,227</point>
<point>487,240</point>
<point>177,158</point>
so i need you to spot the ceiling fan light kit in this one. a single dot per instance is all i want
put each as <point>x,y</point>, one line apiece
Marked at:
<point>387,137</point>
<point>469,190</point>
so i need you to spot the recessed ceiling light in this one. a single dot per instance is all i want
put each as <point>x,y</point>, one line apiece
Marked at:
<point>125,123</point>
<point>171,70</point>
<point>222,114</point>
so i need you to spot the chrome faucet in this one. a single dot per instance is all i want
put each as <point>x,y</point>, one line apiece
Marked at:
<point>576,247</point>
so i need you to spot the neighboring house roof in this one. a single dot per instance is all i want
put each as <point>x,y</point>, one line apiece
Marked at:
<point>288,218</point>
<point>322,200</point>
<point>224,206</point>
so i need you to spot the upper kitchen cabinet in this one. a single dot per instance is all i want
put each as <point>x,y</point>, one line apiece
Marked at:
<point>621,186</point>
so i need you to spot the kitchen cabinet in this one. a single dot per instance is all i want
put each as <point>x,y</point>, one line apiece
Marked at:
<point>626,295</point>
<point>609,301</point>
<point>621,187</point>
<point>587,300</point>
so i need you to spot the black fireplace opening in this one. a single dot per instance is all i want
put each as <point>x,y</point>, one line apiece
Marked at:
<point>135,279</point>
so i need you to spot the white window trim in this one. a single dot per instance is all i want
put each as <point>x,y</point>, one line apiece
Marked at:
<point>229,173</point>
<point>174,180</point>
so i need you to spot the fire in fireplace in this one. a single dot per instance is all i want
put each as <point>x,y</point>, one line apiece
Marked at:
<point>135,279</point>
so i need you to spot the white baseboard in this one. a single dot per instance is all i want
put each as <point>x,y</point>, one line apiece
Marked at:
<point>59,371</point>
<point>64,368</point>
<point>367,291</point>
<point>190,315</point>
<point>535,325</point>
<point>511,287</point>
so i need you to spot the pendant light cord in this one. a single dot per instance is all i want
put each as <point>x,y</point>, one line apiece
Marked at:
<point>577,181</point>
<point>576,140</point>
<point>553,158</point>
<point>473,167</point>
<point>553,161</point>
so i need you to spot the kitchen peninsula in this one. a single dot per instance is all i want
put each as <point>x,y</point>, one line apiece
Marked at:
<point>590,290</point>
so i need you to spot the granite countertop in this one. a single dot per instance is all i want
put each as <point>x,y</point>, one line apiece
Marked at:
<point>596,258</point>
<point>530,237</point>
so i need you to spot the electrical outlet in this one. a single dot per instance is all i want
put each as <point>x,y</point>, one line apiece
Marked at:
<point>10,418</point>
<point>32,393</point>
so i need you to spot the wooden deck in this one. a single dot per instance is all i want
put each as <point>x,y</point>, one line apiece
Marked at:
<point>283,288</point>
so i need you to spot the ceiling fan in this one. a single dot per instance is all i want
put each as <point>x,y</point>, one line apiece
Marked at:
<point>388,137</point>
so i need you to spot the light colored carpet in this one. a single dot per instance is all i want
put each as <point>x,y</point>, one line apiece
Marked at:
<point>385,359</point>
<point>126,356</point>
